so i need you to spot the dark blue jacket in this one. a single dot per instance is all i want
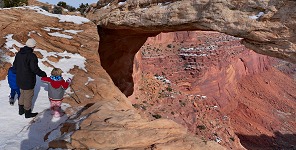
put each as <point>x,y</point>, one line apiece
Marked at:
<point>12,78</point>
<point>26,66</point>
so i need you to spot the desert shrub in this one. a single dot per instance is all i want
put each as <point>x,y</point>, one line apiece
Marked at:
<point>136,106</point>
<point>201,127</point>
<point>45,8</point>
<point>156,116</point>
<point>231,138</point>
<point>139,106</point>
<point>57,10</point>
<point>14,3</point>
<point>62,4</point>
<point>169,89</point>
<point>70,8</point>
<point>1,4</point>
<point>182,104</point>
<point>82,8</point>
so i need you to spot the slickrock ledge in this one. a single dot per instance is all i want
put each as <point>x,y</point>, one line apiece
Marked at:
<point>116,125</point>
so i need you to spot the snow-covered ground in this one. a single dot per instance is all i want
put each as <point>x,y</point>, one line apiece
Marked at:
<point>17,132</point>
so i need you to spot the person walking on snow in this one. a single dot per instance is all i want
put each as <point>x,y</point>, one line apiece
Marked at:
<point>26,66</point>
<point>14,89</point>
<point>56,89</point>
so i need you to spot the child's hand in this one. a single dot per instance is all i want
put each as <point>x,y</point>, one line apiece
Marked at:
<point>69,80</point>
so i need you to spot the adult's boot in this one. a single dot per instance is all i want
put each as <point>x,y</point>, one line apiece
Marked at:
<point>29,114</point>
<point>21,109</point>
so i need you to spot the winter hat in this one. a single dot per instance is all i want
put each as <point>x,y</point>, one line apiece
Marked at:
<point>31,43</point>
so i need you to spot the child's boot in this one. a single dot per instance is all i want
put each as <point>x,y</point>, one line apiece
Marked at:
<point>56,112</point>
<point>11,101</point>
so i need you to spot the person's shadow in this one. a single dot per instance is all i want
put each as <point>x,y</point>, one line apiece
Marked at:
<point>42,130</point>
<point>37,88</point>
<point>42,124</point>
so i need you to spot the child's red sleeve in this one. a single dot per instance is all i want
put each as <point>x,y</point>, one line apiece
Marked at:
<point>65,84</point>
<point>45,79</point>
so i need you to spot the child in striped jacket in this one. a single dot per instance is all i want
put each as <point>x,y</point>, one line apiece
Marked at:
<point>56,89</point>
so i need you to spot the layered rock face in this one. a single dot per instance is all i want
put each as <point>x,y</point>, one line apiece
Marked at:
<point>217,88</point>
<point>267,26</point>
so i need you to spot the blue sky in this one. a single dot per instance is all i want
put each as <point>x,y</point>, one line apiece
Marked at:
<point>74,3</point>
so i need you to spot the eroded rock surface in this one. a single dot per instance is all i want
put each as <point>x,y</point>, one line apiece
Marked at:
<point>218,88</point>
<point>115,125</point>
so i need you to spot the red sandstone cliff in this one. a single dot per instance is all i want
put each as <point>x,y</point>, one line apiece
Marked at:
<point>217,88</point>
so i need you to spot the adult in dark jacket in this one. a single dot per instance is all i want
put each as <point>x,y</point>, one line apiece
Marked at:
<point>26,66</point>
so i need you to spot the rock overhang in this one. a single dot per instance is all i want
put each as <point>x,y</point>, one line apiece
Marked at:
<point>267,27</point>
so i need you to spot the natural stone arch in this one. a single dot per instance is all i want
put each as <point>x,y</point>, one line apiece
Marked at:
<point>267,27</point>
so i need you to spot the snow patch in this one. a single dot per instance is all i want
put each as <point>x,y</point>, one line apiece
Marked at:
<point>73,31</point>
<point>62,18</point>
<point>57,34</point>
<point>256,16</point>
<point>89,80</point>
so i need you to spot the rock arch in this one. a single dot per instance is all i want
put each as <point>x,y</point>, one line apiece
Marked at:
<point>267,27</point>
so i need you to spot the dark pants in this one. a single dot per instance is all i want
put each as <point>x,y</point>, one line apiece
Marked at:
<point>13,92</point>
